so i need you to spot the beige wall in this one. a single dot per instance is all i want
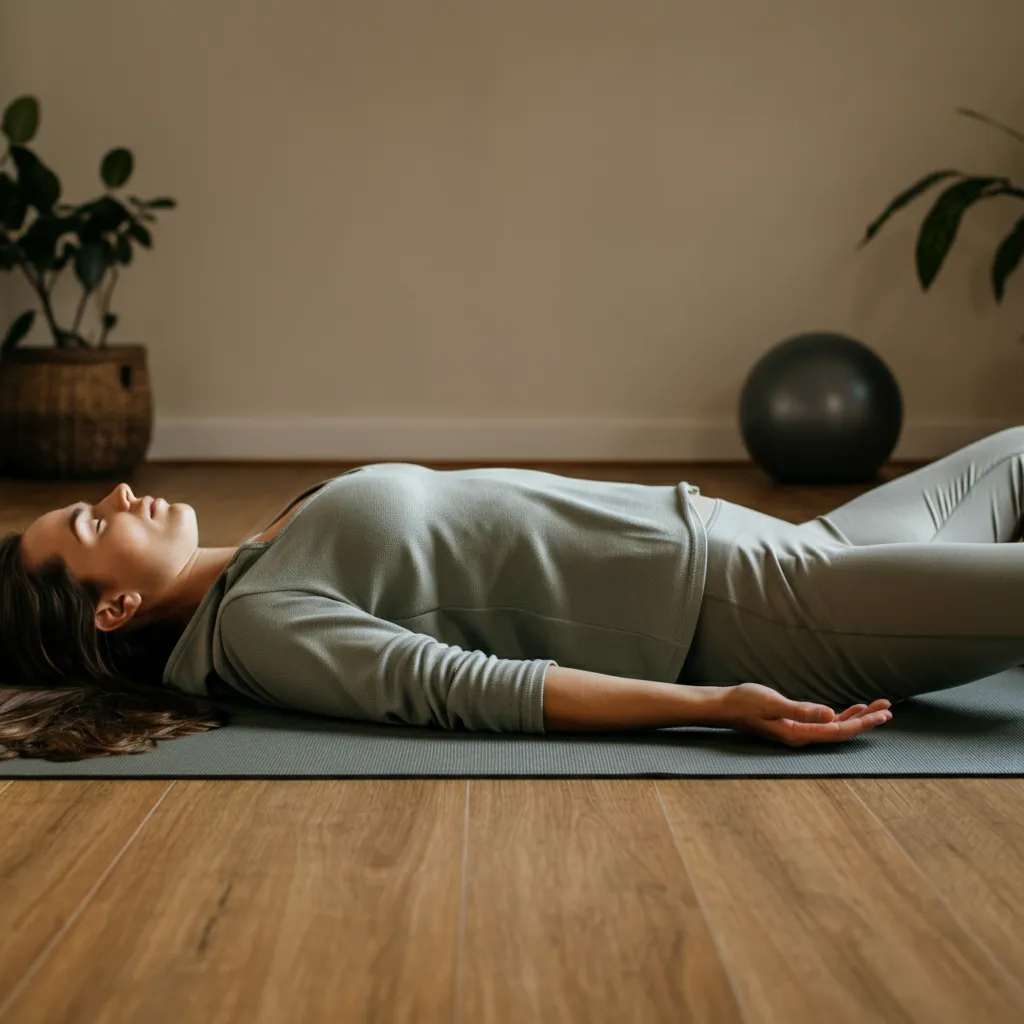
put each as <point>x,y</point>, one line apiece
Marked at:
<point>531,228</point>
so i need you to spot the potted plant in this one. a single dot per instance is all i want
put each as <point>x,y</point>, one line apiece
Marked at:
<point>940,226</point>
<point>81,408</point>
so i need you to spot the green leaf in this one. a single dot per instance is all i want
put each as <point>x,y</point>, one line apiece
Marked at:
<point>40,185</point>
<point>90,265</point>
<point>939,229</point>
<point>123,250</point>
<point>39,243</point>
<point>163,203</point>
<point>903,199</point>
<point>8,256</point>
<point>18,330</point>
<point>109,321</point>
<point>117,167</point>
<point>107,214</point>
<point>993,122</point>
<point>1007,257</point>
<point>67,253</point>
<point>13,204</point>
<point>87,209</point>
<point>109,255</point>
<point>90,229</point>
<point>21,120</point>
<point>141,234</point>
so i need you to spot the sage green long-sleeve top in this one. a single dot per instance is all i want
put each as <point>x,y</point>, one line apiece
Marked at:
<point>397,593</point>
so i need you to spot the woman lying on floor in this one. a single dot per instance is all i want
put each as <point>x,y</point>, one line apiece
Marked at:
<point>512,600</point>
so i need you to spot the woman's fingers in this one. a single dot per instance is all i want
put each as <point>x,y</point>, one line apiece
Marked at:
<point>752,707</point>
<point>800,733</point>
<point>856,709</point>
<point>772,704</point>
<point>859,709</point>
<point>778,707</point>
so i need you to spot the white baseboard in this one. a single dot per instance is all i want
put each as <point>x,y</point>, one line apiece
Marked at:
<point>469,439</point>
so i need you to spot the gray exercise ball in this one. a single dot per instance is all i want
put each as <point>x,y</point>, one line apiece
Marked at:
<point>820,408</point>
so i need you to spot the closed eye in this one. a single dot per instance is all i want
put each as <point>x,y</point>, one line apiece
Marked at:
<point>76,514</point>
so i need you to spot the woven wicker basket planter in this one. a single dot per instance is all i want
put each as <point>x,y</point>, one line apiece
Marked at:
<point>74,413</point>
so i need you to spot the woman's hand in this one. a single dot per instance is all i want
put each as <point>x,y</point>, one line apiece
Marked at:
<point>751,707</point>
<point>575,700</point>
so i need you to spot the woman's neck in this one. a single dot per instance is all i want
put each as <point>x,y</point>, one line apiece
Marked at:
<point>182,602</point>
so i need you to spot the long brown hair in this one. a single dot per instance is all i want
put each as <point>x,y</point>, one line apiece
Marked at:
<point>70,691</point>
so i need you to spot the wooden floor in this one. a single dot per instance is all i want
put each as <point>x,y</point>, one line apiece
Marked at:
<point>756,900</point>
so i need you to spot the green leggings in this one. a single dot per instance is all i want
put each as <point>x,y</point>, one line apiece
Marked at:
<point>908,588</point>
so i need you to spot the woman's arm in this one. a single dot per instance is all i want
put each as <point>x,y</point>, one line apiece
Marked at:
<point>579,701</point>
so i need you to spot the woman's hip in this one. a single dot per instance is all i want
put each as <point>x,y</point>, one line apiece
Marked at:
<point>795,607</point>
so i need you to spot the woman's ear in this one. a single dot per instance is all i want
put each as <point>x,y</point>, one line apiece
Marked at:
<point>114,613</point>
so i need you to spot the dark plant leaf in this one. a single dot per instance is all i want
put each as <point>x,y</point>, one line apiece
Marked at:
<point>109,321</point>
<point>90,265</point>
<point>39,243</point>
<point>39,184</point>
<point>1007,257</point>
<point>141,234</point>
<point>163,203</point>
<point>90,230</point>
<point>123,249</point>
<point>89,208</point>
<point>67,224</point>
<point>8,256</point>
<point>67,253</point>
<point>21,120</point>
<point>18,330</point>
<point>107,214</point>
<point>13,204</point>
<point>943,221</point>
<point>903,199</point>
<point>117,167</point>
<point>993,122</point>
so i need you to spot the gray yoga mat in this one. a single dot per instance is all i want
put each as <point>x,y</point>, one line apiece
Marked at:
<point>975,729</point>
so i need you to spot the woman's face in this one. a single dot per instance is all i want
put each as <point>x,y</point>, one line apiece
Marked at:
<point>136,548</point>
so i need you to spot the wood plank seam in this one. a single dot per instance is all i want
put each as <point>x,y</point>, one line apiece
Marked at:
<point>460,941</point>
<point>967,930</point>
<point>699,897</point>
<point>15,994</point>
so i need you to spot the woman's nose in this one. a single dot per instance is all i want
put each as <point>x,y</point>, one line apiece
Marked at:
<point>123,496</point>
